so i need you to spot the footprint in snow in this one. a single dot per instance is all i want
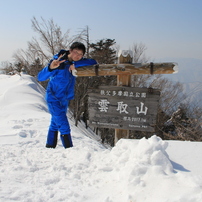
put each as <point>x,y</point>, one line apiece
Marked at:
<point>22,134</point>
<point>17,126</point>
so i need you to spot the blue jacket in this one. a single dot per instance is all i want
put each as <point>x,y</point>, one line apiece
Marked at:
<point>61,83</point>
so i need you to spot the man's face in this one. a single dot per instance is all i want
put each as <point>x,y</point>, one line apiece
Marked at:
<point>75,54</point>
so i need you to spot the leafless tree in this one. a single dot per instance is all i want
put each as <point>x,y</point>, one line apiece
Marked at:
<point>139,56</point>
<point>51,37</point>
<point>171,93</point>
<point>139,53</point>
<point>84,37</point>
<point>7,67</point>
<point>49,41</point>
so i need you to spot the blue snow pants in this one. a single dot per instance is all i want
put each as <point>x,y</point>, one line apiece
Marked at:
<point>59,121</point>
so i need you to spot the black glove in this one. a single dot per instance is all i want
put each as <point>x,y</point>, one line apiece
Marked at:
<point>64,53</point>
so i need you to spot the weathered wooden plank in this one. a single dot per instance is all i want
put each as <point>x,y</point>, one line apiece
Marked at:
<point>128,69</point>
<point>123,107</point>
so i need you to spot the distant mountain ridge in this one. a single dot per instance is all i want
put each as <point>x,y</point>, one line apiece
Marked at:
<point>190,75</point>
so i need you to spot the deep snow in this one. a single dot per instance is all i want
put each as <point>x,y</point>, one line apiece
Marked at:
<point>146,170</point>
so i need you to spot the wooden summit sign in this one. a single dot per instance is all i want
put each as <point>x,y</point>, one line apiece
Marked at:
<point>123,108</point>
<point>124,73</point>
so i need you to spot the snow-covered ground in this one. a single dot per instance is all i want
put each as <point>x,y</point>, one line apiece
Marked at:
<point>146,170</point>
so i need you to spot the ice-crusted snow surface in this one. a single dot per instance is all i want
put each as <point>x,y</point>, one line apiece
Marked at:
<point>145,170</point>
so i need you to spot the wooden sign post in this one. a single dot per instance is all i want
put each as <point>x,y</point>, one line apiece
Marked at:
<point>123,72</point>
<point>123,80</point>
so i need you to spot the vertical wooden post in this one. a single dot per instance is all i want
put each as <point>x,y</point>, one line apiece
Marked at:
<point>123,80</point>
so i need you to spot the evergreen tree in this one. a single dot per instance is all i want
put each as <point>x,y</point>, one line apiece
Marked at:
<point>103,51</point>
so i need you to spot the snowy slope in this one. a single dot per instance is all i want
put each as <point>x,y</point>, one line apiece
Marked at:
<point>146,170</point>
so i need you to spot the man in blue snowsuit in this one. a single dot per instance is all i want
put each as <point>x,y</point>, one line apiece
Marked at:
<point>60,90</point>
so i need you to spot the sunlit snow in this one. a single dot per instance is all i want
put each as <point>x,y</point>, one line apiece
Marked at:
<point>145,170</point>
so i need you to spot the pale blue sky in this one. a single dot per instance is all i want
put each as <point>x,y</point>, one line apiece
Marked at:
<point>168,28</point>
